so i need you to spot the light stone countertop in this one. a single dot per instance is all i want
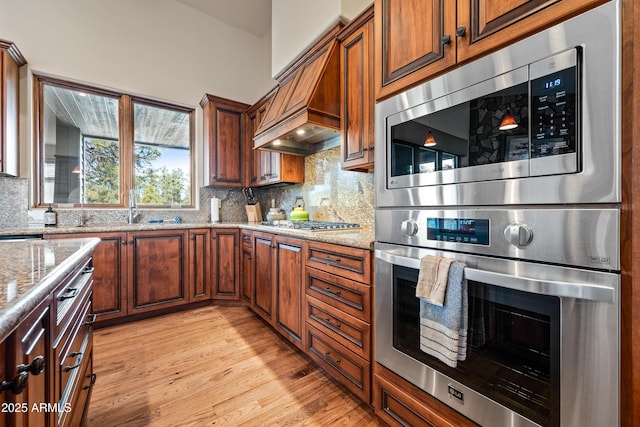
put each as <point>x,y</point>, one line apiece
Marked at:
<point>30,270</point>
<point>359,238</point>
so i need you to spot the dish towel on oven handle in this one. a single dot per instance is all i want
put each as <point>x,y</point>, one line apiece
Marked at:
<point>432,278</point>
<point>443,329</point>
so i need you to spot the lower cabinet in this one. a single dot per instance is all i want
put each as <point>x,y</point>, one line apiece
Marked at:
<point>246,266</point>
<point>157,269</point>
<point>29,370</point>
<point>278,291</point>
<point>144,271</point>
<point>225,254</point>
<point>400,403</point>
<point>47,372</point>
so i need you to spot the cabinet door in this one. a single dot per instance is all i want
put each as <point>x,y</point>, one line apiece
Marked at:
<point>224,124</point>
<point>488,25</point>
<point>31,358</point>
<point>246,278</point>
<point>10,62</point>
<point>157,269</point>
<point>200,264</point>
<point>255,115</point>
<point>289,288</point>
<point>414,40</point>
<point>226,267</point>
<point>357,102</point>
<point>263,291</point>
<point>109,275</point>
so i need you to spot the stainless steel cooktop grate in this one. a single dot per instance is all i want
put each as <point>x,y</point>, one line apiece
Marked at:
<point>311,225</point>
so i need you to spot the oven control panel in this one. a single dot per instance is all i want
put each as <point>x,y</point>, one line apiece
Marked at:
<point>562,236</point>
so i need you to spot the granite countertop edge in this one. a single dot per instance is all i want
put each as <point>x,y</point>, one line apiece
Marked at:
<point>13,314</point>
<point>362,238</point>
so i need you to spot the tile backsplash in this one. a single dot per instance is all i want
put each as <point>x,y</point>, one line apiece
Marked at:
<point>329,193</point>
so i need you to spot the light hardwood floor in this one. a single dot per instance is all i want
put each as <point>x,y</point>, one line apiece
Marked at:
<point>216,365</point>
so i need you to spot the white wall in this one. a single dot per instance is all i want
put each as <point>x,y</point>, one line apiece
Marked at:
<point>296,24</point>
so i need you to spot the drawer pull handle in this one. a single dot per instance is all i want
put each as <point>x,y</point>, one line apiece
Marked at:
<point>71,293</point>
<point>17,385</point>
<point>335,325</point>
<point>93,377</point>
<point>331,291</point>
<point>92,319</point>
<point>88,270</point>
<point>35,367</point>
<point>332,361</point>
<point>332,259</point>
<point>77,354</point>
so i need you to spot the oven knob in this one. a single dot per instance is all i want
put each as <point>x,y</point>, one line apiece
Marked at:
<point>409,227</point>
<point>518,234</point>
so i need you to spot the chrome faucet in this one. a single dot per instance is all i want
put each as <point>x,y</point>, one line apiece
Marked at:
<point>134,212</point>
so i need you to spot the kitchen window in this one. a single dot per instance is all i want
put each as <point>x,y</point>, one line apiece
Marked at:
<point>94,145</point>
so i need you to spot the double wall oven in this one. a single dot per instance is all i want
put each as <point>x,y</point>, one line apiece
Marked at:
<point>511,165</point>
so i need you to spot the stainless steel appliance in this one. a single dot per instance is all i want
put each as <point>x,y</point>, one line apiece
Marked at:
<point>543,311</point>
<point>532,210</point>
<point>561,87</point>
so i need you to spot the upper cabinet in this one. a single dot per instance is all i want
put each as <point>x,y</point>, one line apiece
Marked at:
<point>304,116</point>
<point>10,62</point>
<point>269,167</point>
<point>224,126</point>
<point>357,93</point>
<point>417,39</point>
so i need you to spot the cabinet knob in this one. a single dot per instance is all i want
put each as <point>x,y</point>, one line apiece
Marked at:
<point>213,177</point>
<point>17,385</point>
<point>35,367</point>
<point>461,31</point>
<point>446,39</point>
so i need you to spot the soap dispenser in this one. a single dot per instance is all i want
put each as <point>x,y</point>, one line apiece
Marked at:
<point>50,217</point>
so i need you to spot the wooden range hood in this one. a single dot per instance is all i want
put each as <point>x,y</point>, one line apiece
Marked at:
<point>304,115</point>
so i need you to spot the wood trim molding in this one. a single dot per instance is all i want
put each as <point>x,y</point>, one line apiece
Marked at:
<point>13,52</point>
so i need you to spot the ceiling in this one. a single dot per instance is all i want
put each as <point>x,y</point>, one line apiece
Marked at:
<point>252,16</point>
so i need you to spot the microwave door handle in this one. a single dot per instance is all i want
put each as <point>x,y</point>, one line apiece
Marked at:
<point>584,291</point>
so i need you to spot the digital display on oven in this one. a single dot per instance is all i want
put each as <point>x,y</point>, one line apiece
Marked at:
<point>458,230</point>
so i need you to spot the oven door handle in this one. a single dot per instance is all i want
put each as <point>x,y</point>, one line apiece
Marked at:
<point>578,290</point>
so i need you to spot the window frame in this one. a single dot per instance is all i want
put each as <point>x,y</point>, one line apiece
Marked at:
<point>126,129</point>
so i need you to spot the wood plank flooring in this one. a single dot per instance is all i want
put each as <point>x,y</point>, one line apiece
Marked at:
<point>215,365</point>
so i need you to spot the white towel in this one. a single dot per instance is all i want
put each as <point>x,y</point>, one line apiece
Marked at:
<point>432,278</point>
<point>443,329</point>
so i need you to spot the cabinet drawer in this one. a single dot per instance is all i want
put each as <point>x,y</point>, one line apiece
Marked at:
<point>400,403</point>
<point>352,263</point>
<point>75,288</point>
<point>345,366</point>
<point>351,297</point>
<point>351,332</point>
<point>72,357</point>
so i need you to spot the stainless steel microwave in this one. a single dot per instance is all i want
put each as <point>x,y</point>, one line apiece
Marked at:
<point>535,123</point>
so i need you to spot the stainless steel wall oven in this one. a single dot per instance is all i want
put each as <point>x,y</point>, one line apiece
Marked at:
<point>532,210</point>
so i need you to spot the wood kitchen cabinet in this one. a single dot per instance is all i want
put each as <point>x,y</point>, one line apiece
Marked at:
<point>278,283</point>
<point>199,264</point>
<point>289,289</point>
<point>157,270</point>
<point>109,276</point>
<point>338,313</point>
<point>225,260</point>
<point>263,301</point>
<point>225,122</point>
<point>269,167</point>
<point>416,40</point>
<point>357,91</point>
<point>246,266</point>
<point>10,62</point>
<point>29,369</point>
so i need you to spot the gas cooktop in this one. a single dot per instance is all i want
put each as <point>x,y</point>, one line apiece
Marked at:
<point>311,225</point>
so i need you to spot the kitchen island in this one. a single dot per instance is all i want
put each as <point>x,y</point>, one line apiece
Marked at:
<point>46,330</point>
